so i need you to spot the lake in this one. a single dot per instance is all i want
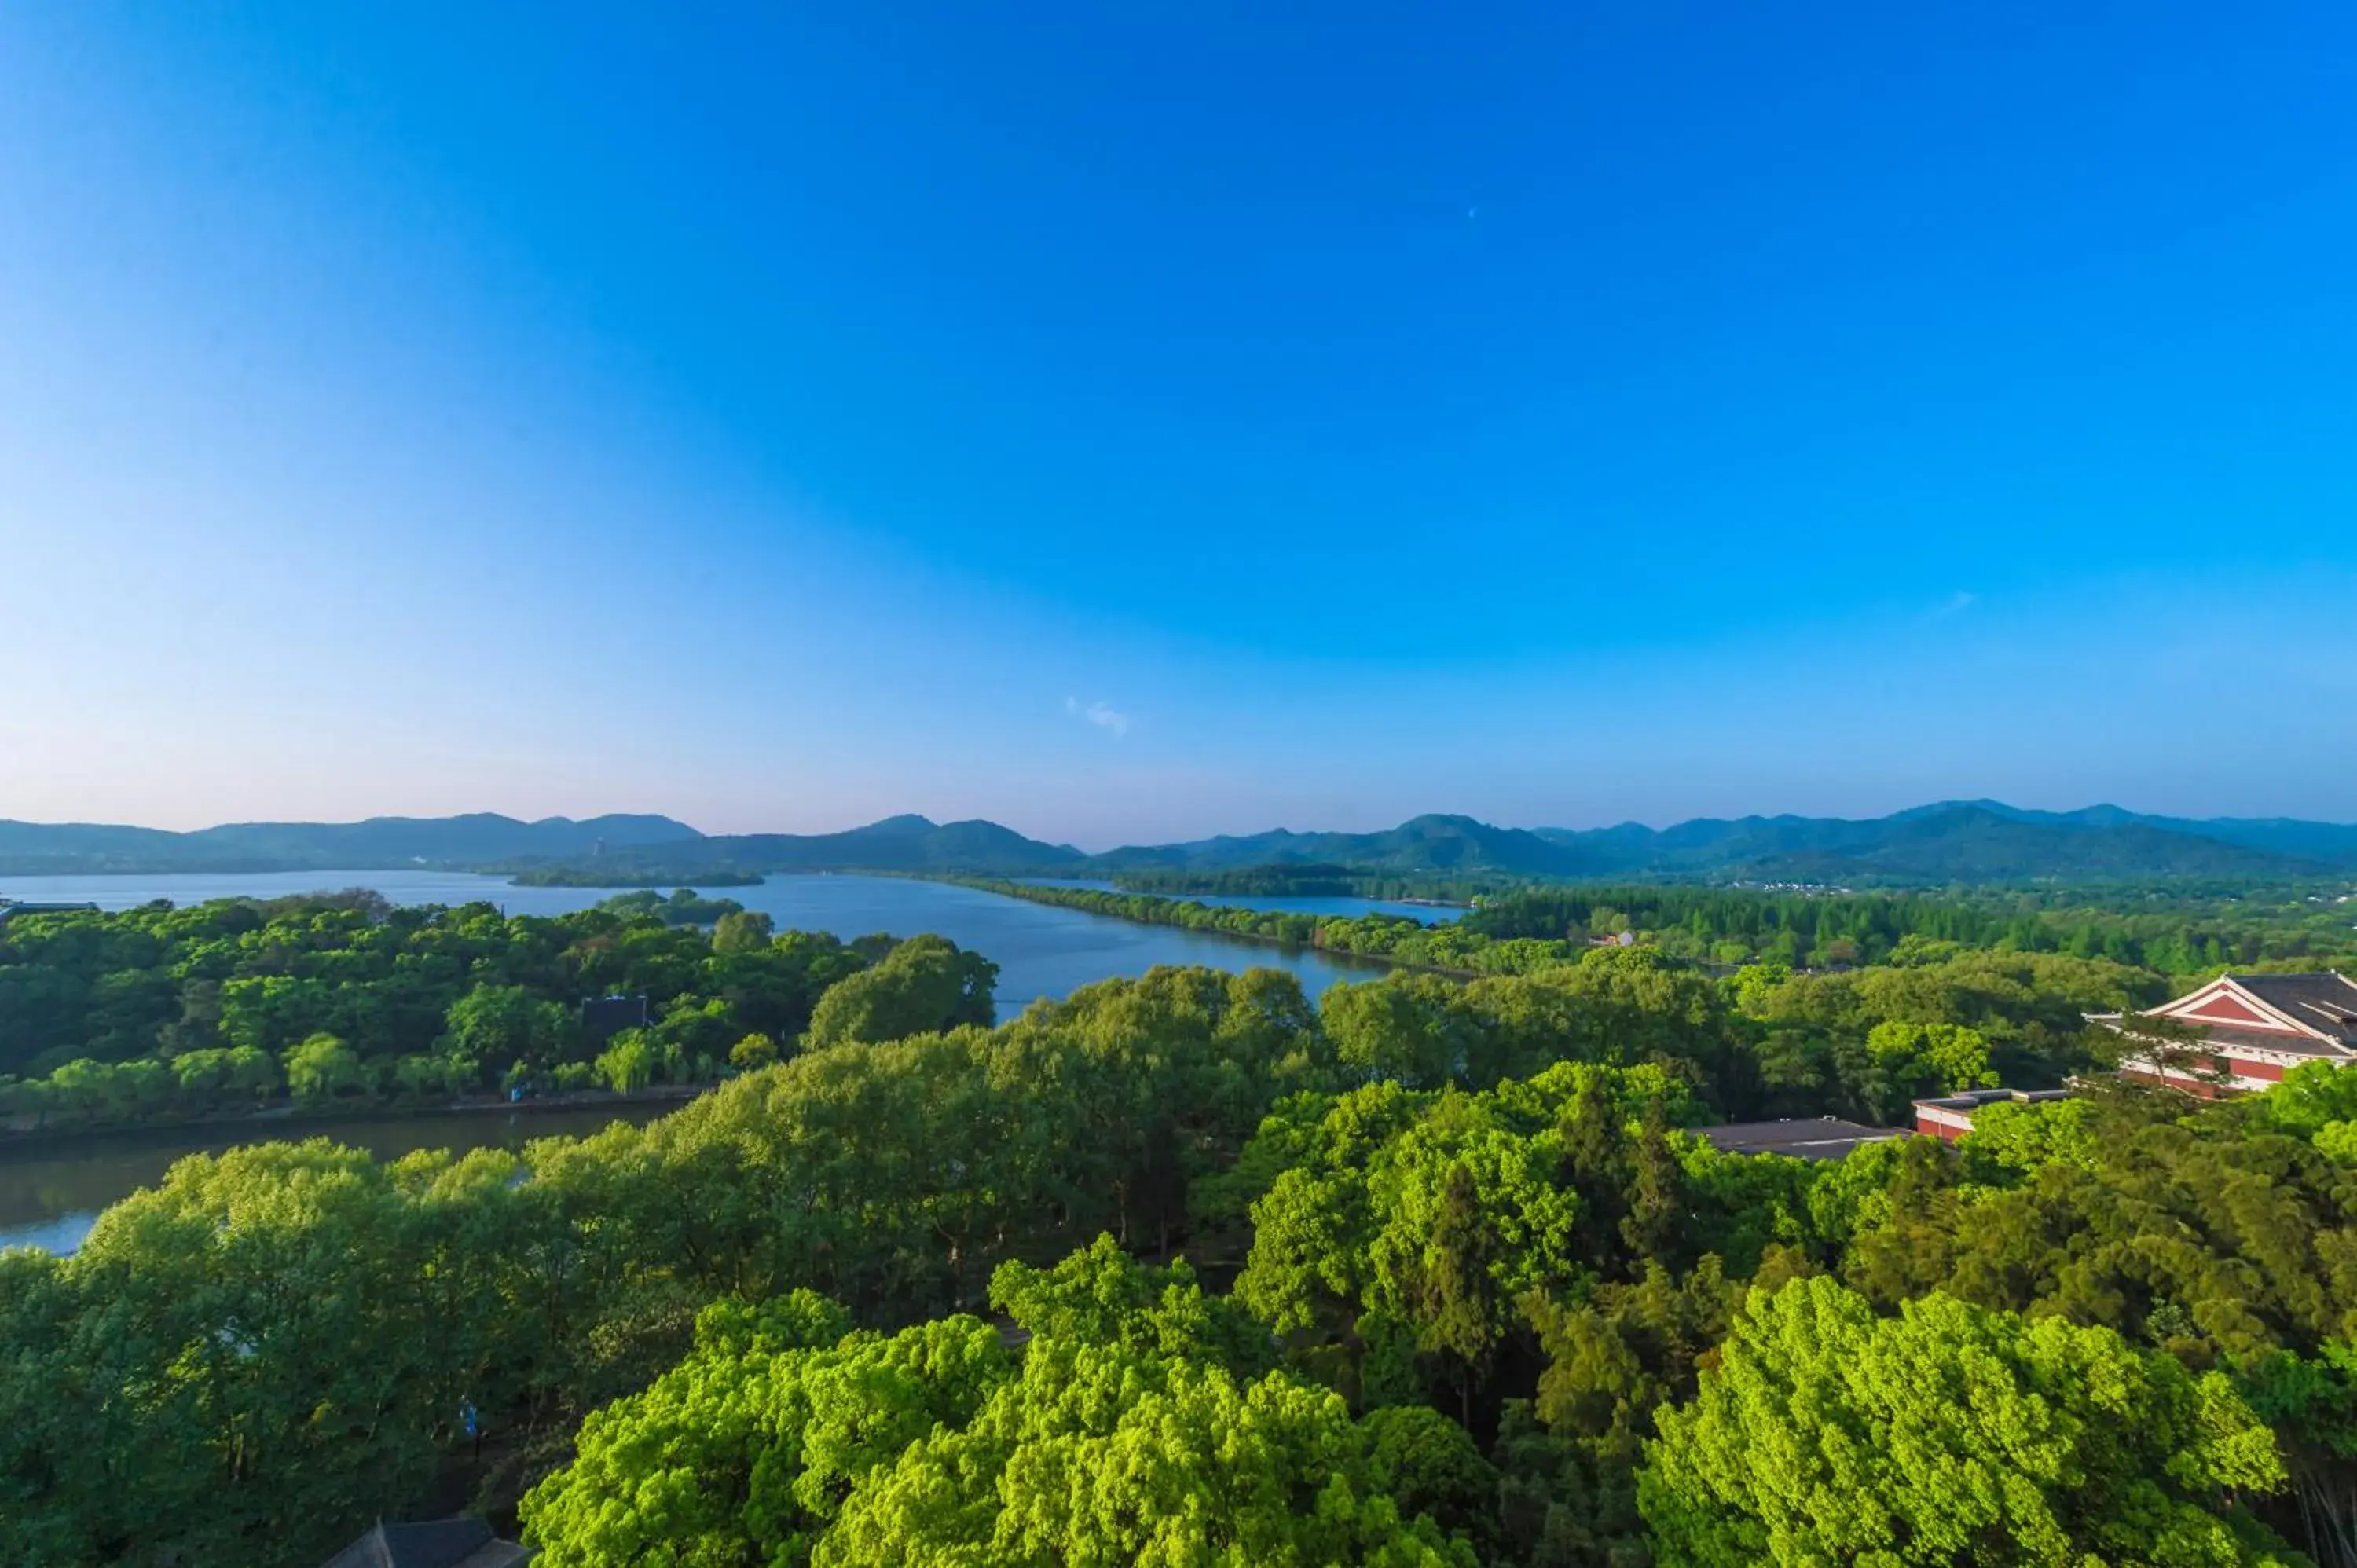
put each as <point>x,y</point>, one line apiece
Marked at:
<point>50,1193</point>
<point>48,1197</point>
<point>1041,950</point>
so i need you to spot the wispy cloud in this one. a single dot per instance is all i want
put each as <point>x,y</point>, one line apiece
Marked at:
<point>1956,603</point>
<point>1100,714</point>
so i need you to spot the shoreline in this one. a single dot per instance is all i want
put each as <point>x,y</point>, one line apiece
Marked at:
<point>295,1119</point>
<point>1182,896</point>
<point>997,887</point>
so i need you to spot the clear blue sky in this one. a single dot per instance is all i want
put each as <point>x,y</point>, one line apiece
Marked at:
<point>1129,423</point>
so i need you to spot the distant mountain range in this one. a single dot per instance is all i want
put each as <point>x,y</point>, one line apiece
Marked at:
<point>896,843</point>
<point>1957,840</point>
<point>1952,842</point>
<point>379,844</point>
<point>487,841</point>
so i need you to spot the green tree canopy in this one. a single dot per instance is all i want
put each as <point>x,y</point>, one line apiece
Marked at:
<point>627,1063</point>
<point>1949,1433</point>
<point>745,1452</point>
<point>323,1066</point>
<point>505,1023</point>
<point>742,930</point>
<point>924,984</point>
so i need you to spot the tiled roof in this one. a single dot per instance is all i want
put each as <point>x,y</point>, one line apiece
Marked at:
<point>2326,1001</point>
<point>2262,1040</point>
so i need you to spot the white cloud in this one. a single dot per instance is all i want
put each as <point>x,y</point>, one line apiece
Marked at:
<point>1099,715</point>
<point>1956,603</point>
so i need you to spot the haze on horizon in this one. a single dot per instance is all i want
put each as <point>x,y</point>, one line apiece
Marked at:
<point>1132,428</point>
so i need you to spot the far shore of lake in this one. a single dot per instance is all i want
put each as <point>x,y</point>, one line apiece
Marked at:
<point>293,1118</point>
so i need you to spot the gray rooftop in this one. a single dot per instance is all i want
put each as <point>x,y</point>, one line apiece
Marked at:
<point>1807,1138</point>
<point>437,1543</point>
<point>2327,1002</point>
<point>1974,1098</point>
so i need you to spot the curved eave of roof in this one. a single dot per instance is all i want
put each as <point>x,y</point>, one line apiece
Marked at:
<point>2261,1040</point>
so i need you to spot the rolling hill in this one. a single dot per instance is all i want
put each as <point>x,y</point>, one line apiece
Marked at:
<point>1954,841</point>
<point>376,844</point>
<point>1433,843</point>
<point>1962,841</point>
<point>896,843</point>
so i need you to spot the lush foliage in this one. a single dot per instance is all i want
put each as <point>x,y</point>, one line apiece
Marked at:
<point>1490,1298</point>
<point>232,1003</point>
<point>1312,879</point>
<point>1762,1042</point>
<point>1141,1422</point>
<point>284,1336</point>
<point>1949,1432</point>
<point>1297,879</point>
<point>923,984</point>
<point>2172,931</point>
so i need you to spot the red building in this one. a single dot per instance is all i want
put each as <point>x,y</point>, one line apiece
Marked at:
<point>2254,1028</point>
<point>1950,1116</point>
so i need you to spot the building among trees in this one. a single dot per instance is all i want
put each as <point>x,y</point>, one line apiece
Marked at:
<point>1802,1137</point>
<point>436,1543</point>
<point>1950,1116</point>
<point>603,1017</point>
<point>2242,1033</point>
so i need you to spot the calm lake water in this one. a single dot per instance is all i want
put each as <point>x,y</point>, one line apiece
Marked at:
<point>49,1197</point>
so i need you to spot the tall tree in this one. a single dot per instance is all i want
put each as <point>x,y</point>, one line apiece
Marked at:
<point>1461,1314</point>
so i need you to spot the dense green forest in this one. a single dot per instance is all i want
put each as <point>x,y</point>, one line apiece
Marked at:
<point>1465,1287</point>
<point>2172,931</point>
<point>1302,880</point>
<point>1311,880</point>
<point>157,1011</point>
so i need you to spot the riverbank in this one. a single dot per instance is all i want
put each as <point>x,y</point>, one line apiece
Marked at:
<point>1396,941</point>
<point>295,1119</point>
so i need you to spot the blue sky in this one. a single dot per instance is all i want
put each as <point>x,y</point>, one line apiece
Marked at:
<point>1132,424</point>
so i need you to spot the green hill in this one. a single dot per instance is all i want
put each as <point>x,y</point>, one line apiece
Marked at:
<point>1958,841</point>
<point>375,844</point>
<point>1961,842</point>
